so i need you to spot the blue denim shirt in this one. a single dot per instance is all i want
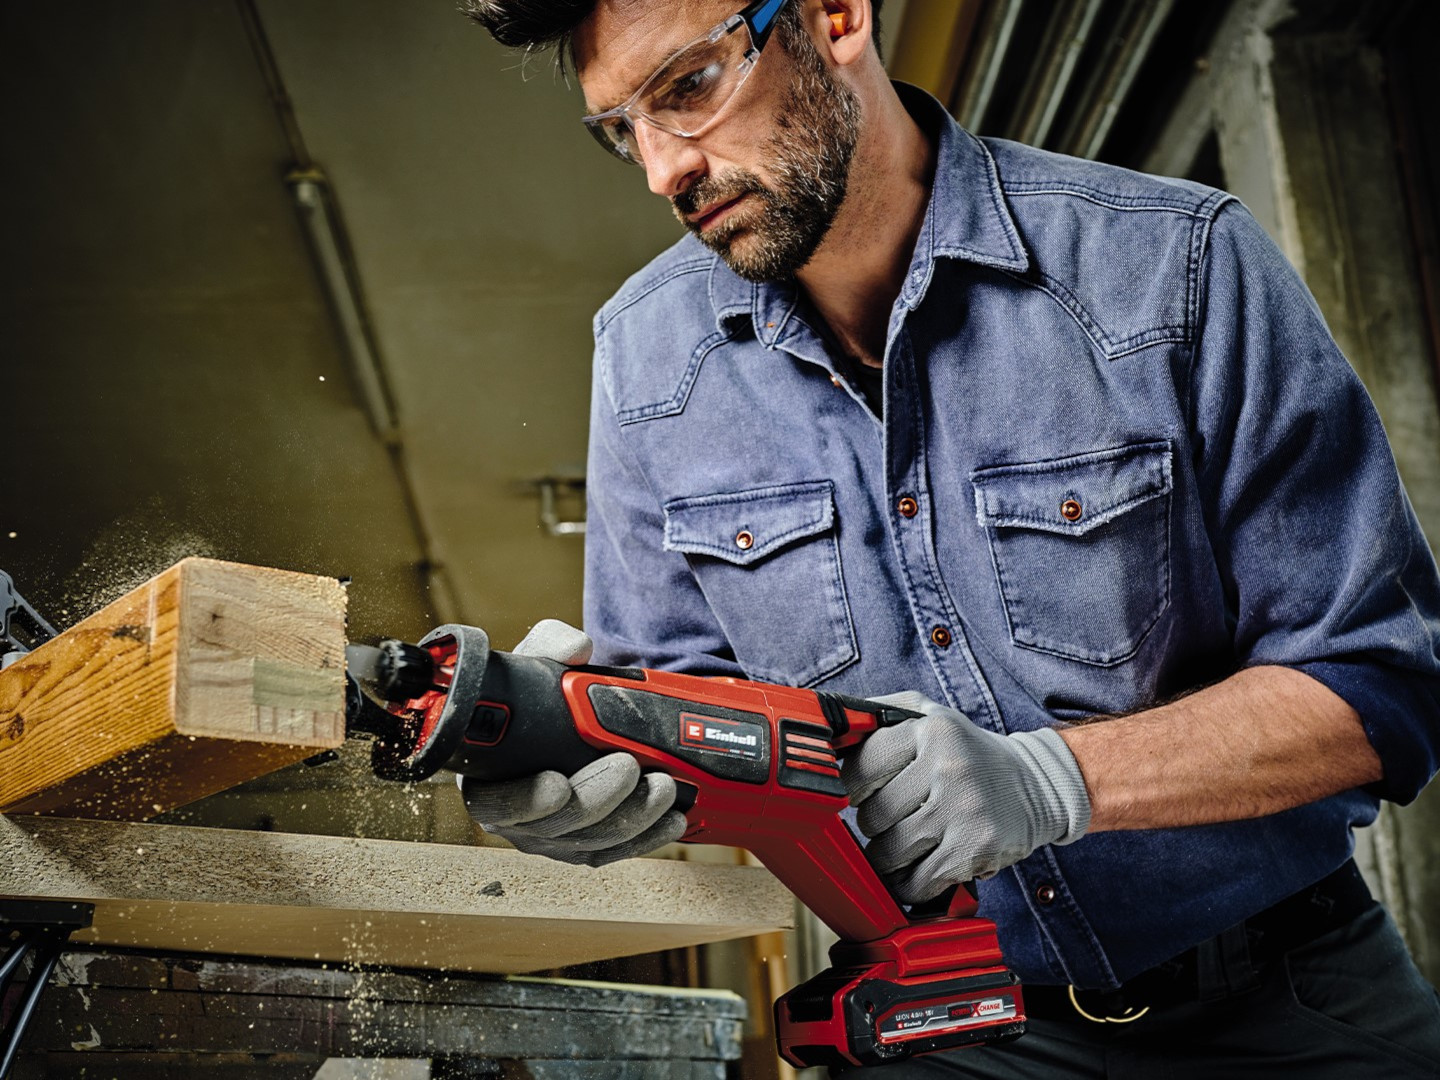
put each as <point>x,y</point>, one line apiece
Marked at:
<point>1068,332</point>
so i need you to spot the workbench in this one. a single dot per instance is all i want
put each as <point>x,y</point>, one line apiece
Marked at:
<point>126,1016</point>
<point>266,953</point>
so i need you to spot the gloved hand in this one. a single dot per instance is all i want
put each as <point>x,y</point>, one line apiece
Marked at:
<point>608,810</point>
<point>944,801</point>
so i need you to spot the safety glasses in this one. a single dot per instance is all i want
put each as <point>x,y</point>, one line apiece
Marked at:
<point>687,93</point>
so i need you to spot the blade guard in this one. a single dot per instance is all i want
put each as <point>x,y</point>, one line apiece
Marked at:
<point>430,745</point>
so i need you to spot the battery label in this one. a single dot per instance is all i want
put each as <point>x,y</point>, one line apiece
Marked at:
<point>737,738</point>
<point>938,1017</point>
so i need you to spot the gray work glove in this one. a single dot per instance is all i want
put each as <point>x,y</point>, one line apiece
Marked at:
<point>944,801</point>
<point>608,810</point>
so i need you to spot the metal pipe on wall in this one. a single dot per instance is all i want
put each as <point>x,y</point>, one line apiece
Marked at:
<point>983,72</point>
<point>335,263</point>
<point>1065,40</point>
<point>1125,53</point>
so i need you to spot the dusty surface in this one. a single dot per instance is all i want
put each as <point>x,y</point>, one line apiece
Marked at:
<point>375,901</point>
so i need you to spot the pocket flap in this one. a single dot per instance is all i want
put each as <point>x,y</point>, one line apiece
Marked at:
<point>1071,495</point>
<point>743,527</point>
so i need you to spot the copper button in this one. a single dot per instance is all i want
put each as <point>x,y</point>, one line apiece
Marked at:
<point>835,381</point>
<point>907,507</point>
<point>940,636</point>
<point>1045,894</point>
<point>744,540</point>
<point>1071,510</point>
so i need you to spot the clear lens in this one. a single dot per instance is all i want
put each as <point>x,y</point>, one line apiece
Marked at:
<point>684,95</point>
<point>617,136</point>
<point>695,83</point>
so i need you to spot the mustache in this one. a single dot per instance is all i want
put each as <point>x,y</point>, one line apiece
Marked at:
<point>710,190</point>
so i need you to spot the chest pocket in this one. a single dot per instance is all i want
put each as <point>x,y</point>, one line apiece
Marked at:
<point>768,562</point>
<point>1081,547</point>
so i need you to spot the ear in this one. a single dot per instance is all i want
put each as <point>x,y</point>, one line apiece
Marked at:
<point>848,26</point>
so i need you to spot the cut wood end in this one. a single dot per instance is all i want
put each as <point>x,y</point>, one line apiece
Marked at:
<point>262,652</point>
<point>207,675</point>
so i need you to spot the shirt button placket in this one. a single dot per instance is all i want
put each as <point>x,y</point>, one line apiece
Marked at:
<point>927,597</point>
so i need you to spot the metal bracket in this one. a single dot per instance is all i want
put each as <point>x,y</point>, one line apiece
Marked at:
<point>551,489</point>
<point>31,926</point>
<point>16,616</point>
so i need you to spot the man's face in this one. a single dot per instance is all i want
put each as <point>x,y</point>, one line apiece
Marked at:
<point>762,187</point>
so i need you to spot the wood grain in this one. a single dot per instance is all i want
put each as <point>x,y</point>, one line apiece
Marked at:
<point>183,889</point>
<point>207,675</point>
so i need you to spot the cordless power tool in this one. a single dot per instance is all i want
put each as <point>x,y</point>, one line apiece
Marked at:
<point>757,767</point>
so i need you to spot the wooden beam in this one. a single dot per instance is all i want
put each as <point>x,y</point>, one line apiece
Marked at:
<point>210,674</point>
<point>340,899</point>
<point>1227,62</point>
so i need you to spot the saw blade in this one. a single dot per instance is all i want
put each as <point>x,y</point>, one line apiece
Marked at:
<point>363,661</point>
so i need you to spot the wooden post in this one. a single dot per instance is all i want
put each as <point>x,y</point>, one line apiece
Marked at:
<point>208,675</point>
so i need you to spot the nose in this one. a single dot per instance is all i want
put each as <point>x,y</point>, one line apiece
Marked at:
<point>672,162</point>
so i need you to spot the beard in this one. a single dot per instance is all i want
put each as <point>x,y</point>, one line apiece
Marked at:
<point>808,160</point>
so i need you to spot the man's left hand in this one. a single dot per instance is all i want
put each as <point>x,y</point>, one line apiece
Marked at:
<point>606,811</point>
<point>944,801</point>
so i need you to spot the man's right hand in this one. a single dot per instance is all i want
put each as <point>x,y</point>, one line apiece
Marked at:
<point>606,811</point>
<point>943,801</point>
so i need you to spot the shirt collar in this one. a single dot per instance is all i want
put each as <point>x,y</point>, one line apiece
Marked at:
<point>966,219</point>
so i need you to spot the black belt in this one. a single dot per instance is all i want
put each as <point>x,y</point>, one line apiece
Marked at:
<point>1221,967</point>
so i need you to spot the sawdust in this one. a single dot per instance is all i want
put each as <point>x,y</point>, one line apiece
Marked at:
<point>126,555</point>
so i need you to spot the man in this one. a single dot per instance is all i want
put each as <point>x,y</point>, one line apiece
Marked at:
<point>1064,456</point>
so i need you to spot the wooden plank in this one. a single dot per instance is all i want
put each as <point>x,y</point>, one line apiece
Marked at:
<point>341,899</point>
<point>208,675</point>
<point>118,1004</point>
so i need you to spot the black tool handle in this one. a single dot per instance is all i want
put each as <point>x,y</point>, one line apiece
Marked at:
<point>520,723</point>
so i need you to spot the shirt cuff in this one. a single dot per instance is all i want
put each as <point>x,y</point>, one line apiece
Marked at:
<point>1400,711</point>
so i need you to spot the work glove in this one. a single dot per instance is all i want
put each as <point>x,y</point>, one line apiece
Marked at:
<point>943,801</point>
<point>606,811</point>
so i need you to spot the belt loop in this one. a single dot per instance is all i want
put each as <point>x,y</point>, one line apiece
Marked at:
<point>1223,967</point>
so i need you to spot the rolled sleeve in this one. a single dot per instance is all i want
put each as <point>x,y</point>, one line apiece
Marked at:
<point>1398,712</point>
<point>1325,566</point>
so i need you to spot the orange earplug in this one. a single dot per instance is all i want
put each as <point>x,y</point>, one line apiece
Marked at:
<point>837,24</point>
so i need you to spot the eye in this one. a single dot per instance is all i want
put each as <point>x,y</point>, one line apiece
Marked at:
<point>693,85</point>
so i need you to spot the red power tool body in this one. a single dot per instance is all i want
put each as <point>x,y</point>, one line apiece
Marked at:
<point>757,768</point>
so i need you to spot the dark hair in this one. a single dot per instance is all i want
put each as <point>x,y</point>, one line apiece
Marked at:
<point>529,24</point>
<point>534,25</point>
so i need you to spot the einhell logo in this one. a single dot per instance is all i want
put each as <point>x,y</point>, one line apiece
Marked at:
<point>717,736</point>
